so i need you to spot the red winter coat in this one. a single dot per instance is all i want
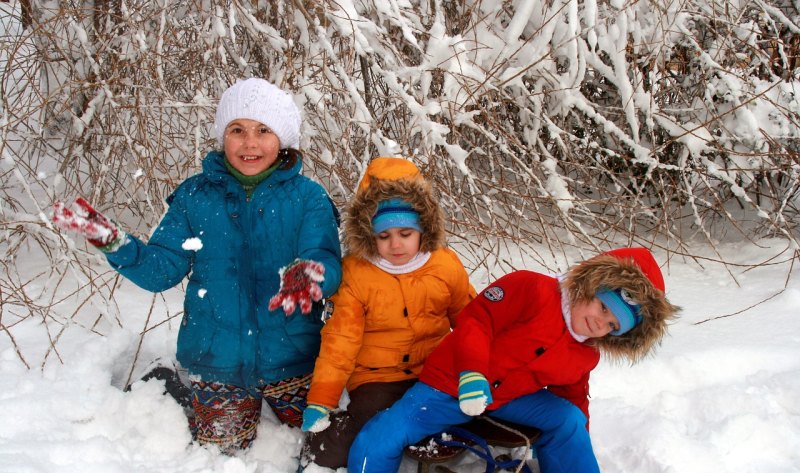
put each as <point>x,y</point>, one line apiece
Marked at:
<point>515,334</point>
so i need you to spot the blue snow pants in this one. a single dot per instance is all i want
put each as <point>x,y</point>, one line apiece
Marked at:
<point>563,447</point>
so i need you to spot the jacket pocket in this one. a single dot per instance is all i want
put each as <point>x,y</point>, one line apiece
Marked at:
<point>217,301</point>
<point>303,331</point>
<point>195,338</point>
<point>379,357</point>
<point>203,340</point>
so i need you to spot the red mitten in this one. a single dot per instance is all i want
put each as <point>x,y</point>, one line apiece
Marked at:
<point>84,220</point>
<point>299,285</point>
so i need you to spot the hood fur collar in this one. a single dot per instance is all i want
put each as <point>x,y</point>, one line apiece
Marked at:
<point>636,271</point>
<point>386,178</point>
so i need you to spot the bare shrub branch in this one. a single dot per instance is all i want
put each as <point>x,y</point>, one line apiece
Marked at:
<point>546,127</point>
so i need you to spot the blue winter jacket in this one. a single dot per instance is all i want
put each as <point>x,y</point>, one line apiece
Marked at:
<point>232,248</point>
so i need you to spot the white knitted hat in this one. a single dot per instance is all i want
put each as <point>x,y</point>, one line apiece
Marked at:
<point>257,99</point>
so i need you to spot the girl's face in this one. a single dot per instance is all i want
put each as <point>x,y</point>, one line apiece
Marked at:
<point>250,146</point>
<point>398,245</point>
<point>592,318</point>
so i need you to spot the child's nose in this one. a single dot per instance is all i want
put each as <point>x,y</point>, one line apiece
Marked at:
<point>250,137</point>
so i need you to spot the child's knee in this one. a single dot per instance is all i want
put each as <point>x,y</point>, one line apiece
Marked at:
<point>572,424</point>
<point>380,444</point>
<point>575,419</point>
<point>380,435</point>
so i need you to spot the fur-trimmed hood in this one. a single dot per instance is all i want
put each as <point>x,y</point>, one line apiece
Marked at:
<point>636,271</point>
<point>387,178</point>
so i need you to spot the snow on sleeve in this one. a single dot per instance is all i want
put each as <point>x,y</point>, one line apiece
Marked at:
<point>192,244</point>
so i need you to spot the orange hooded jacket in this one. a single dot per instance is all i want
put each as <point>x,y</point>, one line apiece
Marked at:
<point>383,326</point>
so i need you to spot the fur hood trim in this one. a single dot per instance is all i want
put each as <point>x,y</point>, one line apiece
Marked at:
<point>387,178</point>
<point>636,271</point>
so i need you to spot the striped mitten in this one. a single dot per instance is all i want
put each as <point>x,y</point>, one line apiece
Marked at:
<point>474,393</point>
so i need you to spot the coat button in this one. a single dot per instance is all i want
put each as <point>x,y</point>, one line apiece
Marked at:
<point>234,215</point>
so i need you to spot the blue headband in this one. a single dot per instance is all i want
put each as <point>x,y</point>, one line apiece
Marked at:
<point>395,213</point>
<point>623,307</point>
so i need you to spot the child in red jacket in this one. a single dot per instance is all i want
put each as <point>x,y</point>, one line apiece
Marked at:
<point>523,351</point>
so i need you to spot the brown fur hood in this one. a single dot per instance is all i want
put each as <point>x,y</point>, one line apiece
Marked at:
<point>636,271</point>
<point>387,178</point>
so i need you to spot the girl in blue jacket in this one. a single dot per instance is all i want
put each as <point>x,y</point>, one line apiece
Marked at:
<point>259,243</point>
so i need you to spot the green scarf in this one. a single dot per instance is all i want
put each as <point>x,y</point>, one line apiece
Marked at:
<point>250,182</point>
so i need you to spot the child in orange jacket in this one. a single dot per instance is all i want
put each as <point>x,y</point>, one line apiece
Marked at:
<point>401,291</point>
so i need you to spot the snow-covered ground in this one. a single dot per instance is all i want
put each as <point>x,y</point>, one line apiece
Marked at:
<point>721,395</point>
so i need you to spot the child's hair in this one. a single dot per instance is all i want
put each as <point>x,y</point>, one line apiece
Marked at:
<point>288,157</point>
<point>389,178</point>
<point>636,271</point>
